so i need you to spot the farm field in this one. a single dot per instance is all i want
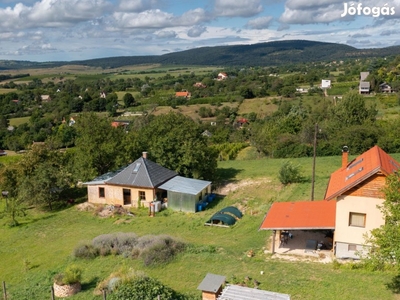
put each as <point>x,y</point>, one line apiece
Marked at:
<point>42,245</point>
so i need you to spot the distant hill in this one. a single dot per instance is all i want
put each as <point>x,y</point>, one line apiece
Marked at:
<point>261,54</point>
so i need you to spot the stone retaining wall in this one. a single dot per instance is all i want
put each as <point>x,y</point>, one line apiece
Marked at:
<point>67,290</point>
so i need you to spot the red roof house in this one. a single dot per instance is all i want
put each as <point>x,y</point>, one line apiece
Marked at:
<point>351,205</point>
<point>305,215</point>
<point>184,94</point>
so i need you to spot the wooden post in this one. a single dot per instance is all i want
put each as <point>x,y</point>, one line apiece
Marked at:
<point>273,241</point>
<point>104,294</point>
<point>52,293</point>
<point>314,156</point>
<point>4,290</point>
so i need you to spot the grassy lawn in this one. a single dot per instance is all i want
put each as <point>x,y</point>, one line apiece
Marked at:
<point>6,91</point>
<point>42,245</point>
<point>263,106</point>
<point>19,121</point>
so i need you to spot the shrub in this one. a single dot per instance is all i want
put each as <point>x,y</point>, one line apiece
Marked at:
<point>161,251</point>
<point>85,251</point>
<point>290,173</point>
<point>143,288</point>
<point>72,274</point>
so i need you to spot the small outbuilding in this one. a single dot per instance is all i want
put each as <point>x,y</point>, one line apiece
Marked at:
<point>184,194</point>
<point>211,286</point>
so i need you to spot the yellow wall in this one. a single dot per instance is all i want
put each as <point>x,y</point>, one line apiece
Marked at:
<point>114,195</point>
<point>366,205</point>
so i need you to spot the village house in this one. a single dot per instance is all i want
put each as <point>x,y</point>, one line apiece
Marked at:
<point>45,98</point>
<point>325,84</point>
<point>350,209</point>
<point>144,183</point>
<point>199,85</point>
<point>183,94</point>
<point>385,88</point>
<point>222,76</point>
<point>364,85</point>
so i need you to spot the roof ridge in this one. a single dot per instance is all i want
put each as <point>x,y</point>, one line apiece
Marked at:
<point>147,171</point>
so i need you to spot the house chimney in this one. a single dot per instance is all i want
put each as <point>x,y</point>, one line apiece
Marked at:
<point>345,156</point>
<point>144,154</point>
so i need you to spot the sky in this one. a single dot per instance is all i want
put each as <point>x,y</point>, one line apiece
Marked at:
<point>67,30</point>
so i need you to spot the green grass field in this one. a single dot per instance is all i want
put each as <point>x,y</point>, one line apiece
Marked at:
<point>19,121</point>
<point>6,91</point>
<point>42,245</point>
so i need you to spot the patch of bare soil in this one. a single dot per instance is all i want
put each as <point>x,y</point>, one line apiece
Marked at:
<point>86,206</point>
<point>104,211</point>
<point>231,186</point>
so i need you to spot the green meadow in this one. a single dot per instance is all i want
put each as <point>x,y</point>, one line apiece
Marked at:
<point>32,253</point>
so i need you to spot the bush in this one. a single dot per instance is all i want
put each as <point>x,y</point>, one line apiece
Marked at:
<point>290,173</point>
<point>161,251</point>
<point>152,249</point>
<point>143,288</point>
<point>85,251</point>
<point>72,274</point>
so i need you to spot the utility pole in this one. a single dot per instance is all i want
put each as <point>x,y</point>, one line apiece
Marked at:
<point>314,156</point>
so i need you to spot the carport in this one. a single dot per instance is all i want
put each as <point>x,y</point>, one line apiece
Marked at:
<point>289,218</point>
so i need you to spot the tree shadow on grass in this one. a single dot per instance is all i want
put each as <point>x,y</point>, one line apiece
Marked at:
<point>91,284</point>
<point>394,285</point>
<point>224,174</point>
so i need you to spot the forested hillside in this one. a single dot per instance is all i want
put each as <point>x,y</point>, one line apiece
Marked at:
<point>262,54</point>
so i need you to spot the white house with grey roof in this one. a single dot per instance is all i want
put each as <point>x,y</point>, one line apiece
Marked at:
<point>143,182</point>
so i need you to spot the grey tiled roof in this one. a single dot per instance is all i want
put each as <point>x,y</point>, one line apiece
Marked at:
<point>211,283</point>
<point>142,173</point>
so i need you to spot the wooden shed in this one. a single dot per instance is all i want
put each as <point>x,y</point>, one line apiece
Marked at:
<point>211,286</point>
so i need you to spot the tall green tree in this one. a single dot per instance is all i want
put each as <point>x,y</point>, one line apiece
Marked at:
<point>129,100</point>
<point>386,239</point>
<point>175,142</point>
<point>42,176</point>
<point>99,146</point>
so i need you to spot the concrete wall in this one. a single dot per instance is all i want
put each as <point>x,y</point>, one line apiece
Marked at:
<point>342,250</point>
<point>346,234</point>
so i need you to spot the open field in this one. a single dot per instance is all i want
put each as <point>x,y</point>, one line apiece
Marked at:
<point>5,91</point>
<point>35,251</point>
<point>85,73</point>
<point>19,121</point>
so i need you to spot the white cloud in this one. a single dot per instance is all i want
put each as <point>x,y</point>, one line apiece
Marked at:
<point>159,19</point>
<point>137,5</point>
<point>300,13</point>
<point>196,31</point>
<point>51,13</point>
<point>147,19</point>
<point>260,23</point>
<point>166,34</point>
<point>237,8</point>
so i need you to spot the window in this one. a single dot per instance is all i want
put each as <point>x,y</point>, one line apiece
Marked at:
<point>101,192</point>
<point>352,247</point>
<point>142,195</point>
<point>357,219</point>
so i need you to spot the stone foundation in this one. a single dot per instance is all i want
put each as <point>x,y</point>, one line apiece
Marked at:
<point>66,290</point>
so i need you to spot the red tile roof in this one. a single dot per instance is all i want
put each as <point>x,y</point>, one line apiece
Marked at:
<point>300,215</point>
<point>182,94</point>
<point>360,169</point>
